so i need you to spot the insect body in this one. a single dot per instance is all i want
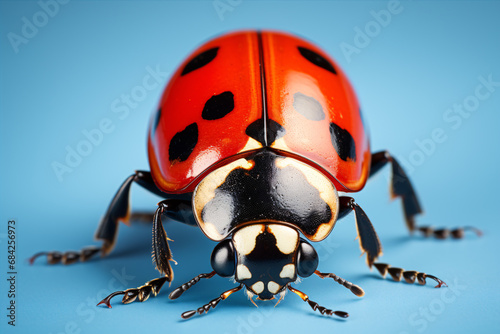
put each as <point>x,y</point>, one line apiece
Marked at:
<point>254,136</point>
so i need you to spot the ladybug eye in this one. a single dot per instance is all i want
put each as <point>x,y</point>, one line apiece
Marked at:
<point>307,259</point>
<point>223,259</point>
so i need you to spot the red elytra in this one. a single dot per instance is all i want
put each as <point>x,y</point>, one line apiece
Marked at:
<point>244,77</point>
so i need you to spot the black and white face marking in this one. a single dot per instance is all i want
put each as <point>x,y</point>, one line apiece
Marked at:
<point>266,256</point>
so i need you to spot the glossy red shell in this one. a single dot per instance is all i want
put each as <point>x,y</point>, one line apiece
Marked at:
<point>237,68</point>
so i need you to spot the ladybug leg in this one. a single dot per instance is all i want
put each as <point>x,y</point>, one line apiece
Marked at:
<point>161,251</point>
<point>409,275</point>
<point>107,230</point>
<point>315,306</point>
<point>161,257</point>
<point>68,257</point>
<point>368,238</point>
<point>212,304</point>
<point>143,292</point>
<point>402,187</point>
<point>370,244</point>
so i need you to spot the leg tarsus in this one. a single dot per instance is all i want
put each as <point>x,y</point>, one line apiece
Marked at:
<point>444,233</point>
<point>408,275</point>
<point>68,257</point>
<point>107,300</point>
<point>143,292</point>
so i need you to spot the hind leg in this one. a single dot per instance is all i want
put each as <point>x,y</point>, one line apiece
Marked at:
<point>402,187</point>
<point>118,210</point>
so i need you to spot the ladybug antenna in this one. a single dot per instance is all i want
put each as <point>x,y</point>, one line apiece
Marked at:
<point>315,306</point>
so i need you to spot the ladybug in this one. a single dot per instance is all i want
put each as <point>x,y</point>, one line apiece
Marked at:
<point>255,135</point>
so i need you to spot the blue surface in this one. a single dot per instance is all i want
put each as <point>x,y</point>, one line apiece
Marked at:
<point>70,75</point>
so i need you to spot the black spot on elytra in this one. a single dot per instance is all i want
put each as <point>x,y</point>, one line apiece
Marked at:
<point>316,59</point>
<point>308,107</point>
<point>183,143</point>
<point>200,60</point>
<point>343,142</point>
<point>218,106</point>
<point>258,129</point>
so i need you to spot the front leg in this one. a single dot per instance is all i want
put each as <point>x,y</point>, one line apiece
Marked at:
<point>161,256</point>
<point>143,292</point>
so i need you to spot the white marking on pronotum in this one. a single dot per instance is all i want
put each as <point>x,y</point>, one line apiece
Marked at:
<point>326,190</point>
<point>286,238</point>
<point>242,272</point>
<point>258,287</point>
<point>205,192</point>
<point>288,271</point>
<point>273,287</point>
<point>245,239</point>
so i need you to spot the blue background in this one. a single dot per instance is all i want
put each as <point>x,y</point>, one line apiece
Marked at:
<point>66,78</point>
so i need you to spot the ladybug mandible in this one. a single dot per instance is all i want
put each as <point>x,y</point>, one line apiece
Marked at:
<point>254,136</point>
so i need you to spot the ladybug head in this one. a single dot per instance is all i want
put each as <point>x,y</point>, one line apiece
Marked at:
<point>264,201</point>
<point>265,257</point>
